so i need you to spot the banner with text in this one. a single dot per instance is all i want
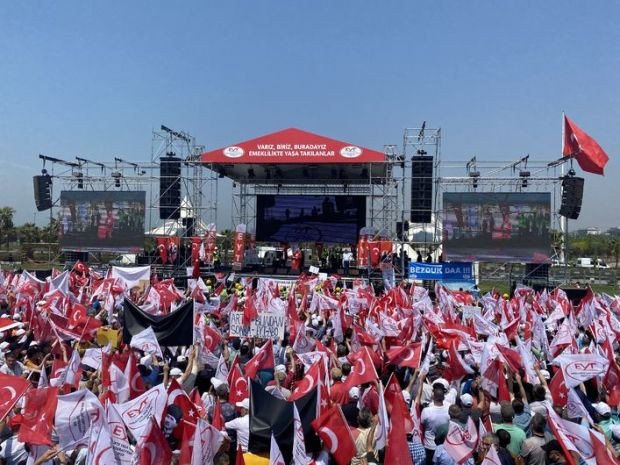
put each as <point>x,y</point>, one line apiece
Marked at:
<point>266,326</point>
<point>441,271</point>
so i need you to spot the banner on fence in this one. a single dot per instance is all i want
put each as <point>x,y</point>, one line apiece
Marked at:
<point>441,271</point>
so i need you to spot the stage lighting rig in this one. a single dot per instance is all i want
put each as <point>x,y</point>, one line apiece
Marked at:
<point>475,175</point>
<point>58,160</point>
<point>84,161</point>
<point>117,175</point>
<point>524,175</point>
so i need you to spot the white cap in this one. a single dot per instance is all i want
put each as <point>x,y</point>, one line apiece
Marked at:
<point>245,403</point>
<point>3,345</point>
<point>602,408</point>
<point>354,392</point>
<point>181,358</point>
<point>545,374</point>
<point>467,400</point>
<point>216,382</point>
<point>615,431</point>
<point>20,332</point>
<point>147,361</point>
<point>280,368</point>
<point>443,382</point>
<point>176,372</point>
<point>407,396</point>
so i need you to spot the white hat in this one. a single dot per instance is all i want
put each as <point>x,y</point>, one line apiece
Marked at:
<point>147,361</point>
<point>354,393</point>
<point>3,345</point>
<point>176,372</point>
<point>41,302</point>
<point>181,358</point>
<point>20,332</point>
<point>545,374</point>
<point>467,400</point>
<point>615,431</point>
<point>407,396</point>
<point>280,368</point>
<point>602,408</point>
<point>245,403</point>
<point>444,383</point>
<point>17,317</point>
<point>216,382</point>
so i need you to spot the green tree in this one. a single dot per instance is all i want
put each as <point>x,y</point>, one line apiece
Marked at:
<point>49,233</point>
<point>6,224</point>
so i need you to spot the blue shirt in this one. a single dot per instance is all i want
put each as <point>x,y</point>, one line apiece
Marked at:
<point>442,457</point>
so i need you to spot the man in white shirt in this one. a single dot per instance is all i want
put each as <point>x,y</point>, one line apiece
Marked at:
<point>12,366</point>
<point>241,424</point>
<point>434,416</point>
<point>13,452</point>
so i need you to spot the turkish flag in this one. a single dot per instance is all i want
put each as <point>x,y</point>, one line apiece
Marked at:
<point>308,382</point>
<point>512,358</point>
<point>363,370</point>
<point>333,430</point>
<point>154,449</point>
<point>239,459</point>
<point>197,401</point>
<point>590,156</point>
<point>136,385</point>
<point>196,241</point>
<point>238,386</point>
<point>218,418</point>
<point>11,390</point>
<point>559,391</point>
<point>212,337</point>
<point>407,356</point>
<point>249,308</point>
<point>457,368</point>
<point>263,359</point>
<point>397,450</point>
<point>599,447</point>
<point>393,394</point>
<point>39,411</point>
<point>162,247</point>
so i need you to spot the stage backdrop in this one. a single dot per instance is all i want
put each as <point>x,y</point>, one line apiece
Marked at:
<point>102,220</point>
<point>310,218</point>
<point>497,226</point>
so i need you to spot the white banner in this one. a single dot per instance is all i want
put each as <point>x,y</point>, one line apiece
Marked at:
<point>578,368</point>
<point>74,414</point>
<point>137,412</point>
<point>266,326</point>
<point>133,276</point>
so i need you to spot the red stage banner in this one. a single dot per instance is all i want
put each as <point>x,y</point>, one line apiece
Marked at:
<point>293,146</point>
<point>162,247</point>
<point>210,236</point>
<point>362,252</point>
<point>239,245</point>
<point>196,249</point>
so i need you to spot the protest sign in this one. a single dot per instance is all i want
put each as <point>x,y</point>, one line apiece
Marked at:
<point>267,326</point>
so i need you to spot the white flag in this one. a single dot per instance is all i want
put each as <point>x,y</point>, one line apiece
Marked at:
<point>137,412</point>
<point>578,368</point>
<point>491,458</point>
<point>92,358</point>
<point>381,430</point>
<point>119,384</point>
<point>146,341</point>
<point>73,373</point>
<point>207,441</point>
<point>100,451</point>
<point>221,372</point>
<point>275,456</point>
<point>75,414</point>
<point>120,442</point>
<point>299,444</point>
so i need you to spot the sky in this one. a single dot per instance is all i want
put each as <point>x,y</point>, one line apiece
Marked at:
<point>93,79</point>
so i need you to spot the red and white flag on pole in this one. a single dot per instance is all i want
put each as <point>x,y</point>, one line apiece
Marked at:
<point>100,447</point>
<point>333,430</point>
<point>590,156</point>
<point>263,359</point>
<point>153,449</point>
<point>299,444</point>
<point>137,412</point>
<point>308,382</point>
<point>207,441</point>
<point>363,370</point>
<point>11,390</point>
<point>578,368</point>
<point>491,457</point>
<point>120,440</point>
<point>397,450</point>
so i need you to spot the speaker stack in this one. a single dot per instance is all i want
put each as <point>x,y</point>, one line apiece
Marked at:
<point>169,187</point>
<point>42,191</point>
<point>572,195</point>
<point>421,189</point>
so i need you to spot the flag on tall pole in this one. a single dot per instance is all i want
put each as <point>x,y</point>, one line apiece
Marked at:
<point>590,156</point>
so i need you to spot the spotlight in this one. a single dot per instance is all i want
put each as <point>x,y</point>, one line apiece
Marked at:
<point>80,180</point>
<point>474,175</point>
<point>117,178</point>
<point>421,152</point>
<point>524,175</point>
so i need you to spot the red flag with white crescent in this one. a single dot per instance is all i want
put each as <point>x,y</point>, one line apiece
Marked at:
<point>12,388</point>
<point>333,430</point>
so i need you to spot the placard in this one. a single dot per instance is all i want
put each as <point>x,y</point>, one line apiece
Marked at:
<point>441,271</point>
<point>266,326</point>
<point>469,311</point>
<point>314,269</point>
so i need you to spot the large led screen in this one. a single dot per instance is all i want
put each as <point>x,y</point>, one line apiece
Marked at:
<point>310,218</point>
<point>102,220</point>
<point>497,226</point>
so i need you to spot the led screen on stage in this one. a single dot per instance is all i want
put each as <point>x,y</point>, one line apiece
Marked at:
<point>102,220</point>
<point>495,226</point>
<point>310,218</point>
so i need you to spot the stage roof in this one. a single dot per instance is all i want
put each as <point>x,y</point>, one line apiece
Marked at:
<point>293,155</point>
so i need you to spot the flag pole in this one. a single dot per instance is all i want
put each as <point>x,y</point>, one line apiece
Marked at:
<point>563,220</point>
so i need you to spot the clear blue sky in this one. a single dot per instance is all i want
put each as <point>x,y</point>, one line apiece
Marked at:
<point>83,79</point>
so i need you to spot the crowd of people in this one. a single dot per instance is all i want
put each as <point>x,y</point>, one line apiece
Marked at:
<point>404,375</point>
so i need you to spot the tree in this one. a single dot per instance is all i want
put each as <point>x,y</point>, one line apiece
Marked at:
<point>6,224</point>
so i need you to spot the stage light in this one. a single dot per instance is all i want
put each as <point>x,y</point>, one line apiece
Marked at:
<point>524,175</point>
<point>421,152</point>
<point>117,178</point>
<point>474,175</point>
<point>80,180</point>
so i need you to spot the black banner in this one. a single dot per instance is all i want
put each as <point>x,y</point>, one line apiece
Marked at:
<point>269,414</point>
<point>175,329</point>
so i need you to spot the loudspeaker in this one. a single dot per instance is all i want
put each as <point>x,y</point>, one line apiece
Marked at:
<point>170,187</point>
<point>572,195</point>
<point>537,271</point>
<point>42,191</point>
<point>421,189</point>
